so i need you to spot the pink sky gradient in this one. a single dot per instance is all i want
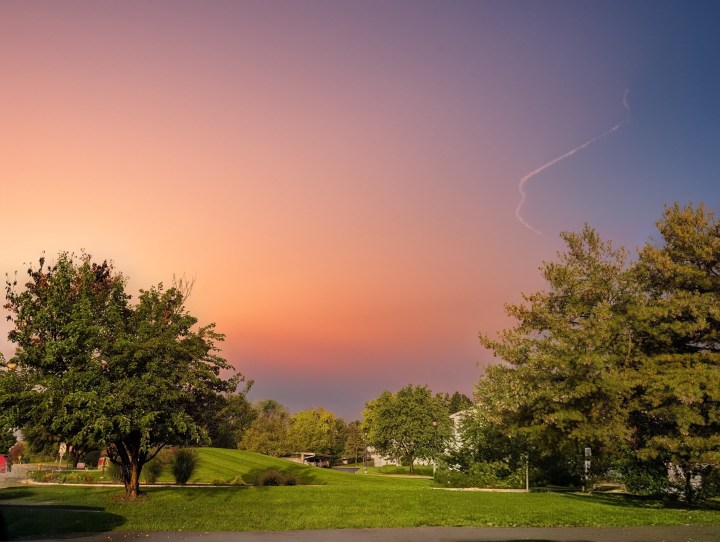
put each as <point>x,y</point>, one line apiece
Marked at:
<point>340,179</point>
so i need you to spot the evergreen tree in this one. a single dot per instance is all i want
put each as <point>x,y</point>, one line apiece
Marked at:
<point>567,377</point>
<point>676,410</point>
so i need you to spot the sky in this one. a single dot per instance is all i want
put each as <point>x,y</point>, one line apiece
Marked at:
<point>356,188</point>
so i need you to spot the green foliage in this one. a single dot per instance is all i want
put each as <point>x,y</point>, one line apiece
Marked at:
<point>617,356</point>
<point>355,445</point>
<point>114,472</point>
<point>269,433</point>
<point>95,369</point>
<point>644,477</point>
<point>482,474</point>
<point>91,459</point>
<point>676,407</point>
<point>274,477</point>
<point>7,440</point>
<point>62,477</point>
<point>408,425</point>
<point>152,471</point>
<point>318,430</point>
<point>232,417</point>
<point>183,464</point>
<point>565,386</point>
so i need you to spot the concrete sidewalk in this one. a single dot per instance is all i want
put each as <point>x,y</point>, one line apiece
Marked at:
<point>690,533</point>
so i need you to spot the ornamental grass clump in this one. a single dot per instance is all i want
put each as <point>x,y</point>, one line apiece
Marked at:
<point>183,464</point>
<point>273,477</point>
<point>152,471</point>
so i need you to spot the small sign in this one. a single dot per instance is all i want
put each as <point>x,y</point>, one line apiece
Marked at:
<point>588,452</point>
<point>63,449</point>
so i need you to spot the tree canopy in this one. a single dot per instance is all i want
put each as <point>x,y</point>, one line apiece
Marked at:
<point>93,366</point>
<point>269,432</point>
<point>619,356</point>
<point>318,430</point>
<point>408,425</point>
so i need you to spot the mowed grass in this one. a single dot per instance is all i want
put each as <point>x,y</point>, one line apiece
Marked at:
<point>218,465</point>
<point>340,500</point>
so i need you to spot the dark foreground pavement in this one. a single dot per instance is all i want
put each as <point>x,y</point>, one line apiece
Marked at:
<point>690,533</point>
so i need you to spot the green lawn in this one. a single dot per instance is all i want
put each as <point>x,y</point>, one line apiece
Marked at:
<point>340,500</point>
<point>395,470</point>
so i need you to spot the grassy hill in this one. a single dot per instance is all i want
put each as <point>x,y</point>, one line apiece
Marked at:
<point>219,465</point>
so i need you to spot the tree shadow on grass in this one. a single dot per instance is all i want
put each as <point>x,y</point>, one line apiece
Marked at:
<point>639,501</point>
<point>29,520</point>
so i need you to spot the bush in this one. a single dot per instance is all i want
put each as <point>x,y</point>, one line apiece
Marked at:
<point>152,471</point>
<point>495,475</point>
<point>183,464</point>
<point>271,477</point>
<point>61,477</point>
<point>114,472</point>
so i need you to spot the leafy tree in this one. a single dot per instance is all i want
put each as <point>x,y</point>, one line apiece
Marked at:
<point>676,410</point>
<point>408,425</point>
<point>94,367</point>
<point>269,433</point>
<point>568,372</point>
<point>458,402</point>
<point>480,440</point>
<point>232,417</point>
<point>355,445</point>
<point>318,430</point>
<point>7,440</point>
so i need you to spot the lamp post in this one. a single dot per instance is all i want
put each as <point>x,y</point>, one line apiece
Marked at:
<point>365,450</point>
<point>435,446</point>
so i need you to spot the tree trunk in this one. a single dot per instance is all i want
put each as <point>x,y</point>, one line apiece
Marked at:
<point>688,486</point>
<point>412,467</point>
<point>131,460</point>
<point>132,485</point>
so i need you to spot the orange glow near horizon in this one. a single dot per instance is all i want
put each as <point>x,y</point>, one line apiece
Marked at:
<point>339,179</point>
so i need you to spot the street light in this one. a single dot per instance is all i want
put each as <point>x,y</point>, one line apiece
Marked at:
<point>365,449</point>
<point>435,446</point>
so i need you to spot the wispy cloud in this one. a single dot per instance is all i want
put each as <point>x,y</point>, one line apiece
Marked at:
<point>526,178</point>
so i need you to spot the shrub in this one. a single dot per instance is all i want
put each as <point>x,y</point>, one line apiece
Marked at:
<point>152,471</point>
<point>183,464</point>
<point>61,477</point>
<point>114,472</point>
<point>271,477</point>
<point>494,474</point>
<point>237,481</point>
<point>290,479</point>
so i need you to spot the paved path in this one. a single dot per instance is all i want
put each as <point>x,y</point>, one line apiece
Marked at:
<point>691,533</point>
<point>14,477</point>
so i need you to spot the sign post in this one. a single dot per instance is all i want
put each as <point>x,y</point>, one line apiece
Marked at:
<point>61,450</point>
<point>588,455</point>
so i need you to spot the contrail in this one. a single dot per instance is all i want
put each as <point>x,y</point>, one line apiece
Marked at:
<point>526,178</point>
